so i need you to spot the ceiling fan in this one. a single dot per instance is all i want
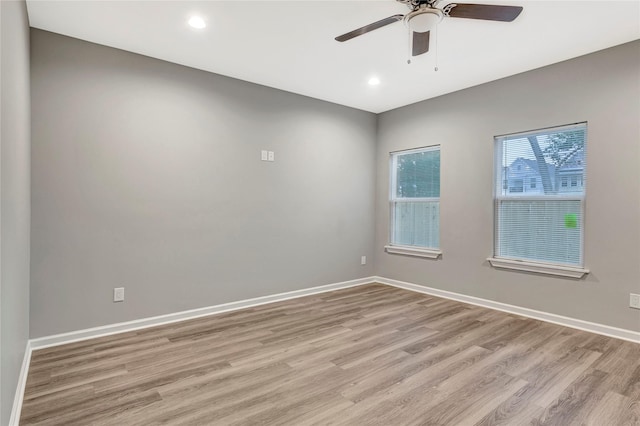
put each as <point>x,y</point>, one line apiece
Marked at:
<point>425,16</point>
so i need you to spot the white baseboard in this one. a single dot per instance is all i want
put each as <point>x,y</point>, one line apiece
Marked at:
<point>90,333</point>
<point>106,330</point>
<point>22,382</point>
<point>618,333</point>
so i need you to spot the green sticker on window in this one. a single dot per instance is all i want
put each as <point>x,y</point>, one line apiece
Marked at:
<point>570,220</point>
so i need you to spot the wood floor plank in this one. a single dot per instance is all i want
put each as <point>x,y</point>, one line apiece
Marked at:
<point>367,355</point>
<point>610,409</point>
<point>559,375</point>
<point>575,401</point>
<point>515,410</point>
<point>480,398</point>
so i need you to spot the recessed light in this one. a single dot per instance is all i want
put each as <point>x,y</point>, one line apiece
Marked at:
<point>197,22</point>
<point>374,81</point>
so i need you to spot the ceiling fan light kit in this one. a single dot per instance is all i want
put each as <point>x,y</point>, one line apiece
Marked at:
<point>425,17</point>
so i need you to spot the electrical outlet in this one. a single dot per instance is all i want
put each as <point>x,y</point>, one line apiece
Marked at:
<point>363,260</point>
<point>264,155</point>
<point>634,301</point>
<point>118,294</point>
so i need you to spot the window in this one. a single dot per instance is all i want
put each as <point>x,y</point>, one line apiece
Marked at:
<point>415,201</point>
<point>516,186</point>
<point>545,224</point>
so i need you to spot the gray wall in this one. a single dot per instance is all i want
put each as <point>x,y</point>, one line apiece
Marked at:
<point>147,175</point>
<point>15,203</point>
<point>602,88</point>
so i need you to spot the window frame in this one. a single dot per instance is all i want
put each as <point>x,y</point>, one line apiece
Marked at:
<point>523,264</point>
<point>418,251</point>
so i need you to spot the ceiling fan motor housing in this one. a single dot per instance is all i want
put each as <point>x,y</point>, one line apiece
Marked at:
<point>424,19</point>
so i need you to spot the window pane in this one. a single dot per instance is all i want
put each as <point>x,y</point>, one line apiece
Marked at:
<point>545,230</point>
<point>418,175</point>
<point>555,159</point>
<point>417,224</point>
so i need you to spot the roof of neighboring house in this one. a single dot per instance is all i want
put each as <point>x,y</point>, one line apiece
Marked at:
<point>533,164</point>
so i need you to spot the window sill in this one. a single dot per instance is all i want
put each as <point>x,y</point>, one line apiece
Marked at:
<point>414,251</point>
<point>540,268</point>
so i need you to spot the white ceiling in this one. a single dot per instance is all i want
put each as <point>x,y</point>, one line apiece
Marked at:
<point>290,45</point>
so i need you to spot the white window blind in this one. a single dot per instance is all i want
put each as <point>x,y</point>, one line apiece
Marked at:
<point>415,198</point>
<point>543,221</point>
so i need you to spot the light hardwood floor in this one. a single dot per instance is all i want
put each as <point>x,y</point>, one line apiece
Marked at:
<point>369,355</point>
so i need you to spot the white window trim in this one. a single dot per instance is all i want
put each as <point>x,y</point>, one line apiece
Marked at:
<point>559,197</point>
<point>413,251</point>
<point>528,265</point>
<point>541,268</point>
<point>425,252</point>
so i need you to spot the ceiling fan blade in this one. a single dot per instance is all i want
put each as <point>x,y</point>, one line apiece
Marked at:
<point>370,27</point>
<point>488,12</point>
<point>420,43</point>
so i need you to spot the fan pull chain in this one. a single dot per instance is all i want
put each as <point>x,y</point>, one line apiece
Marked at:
<point>409,46</point>
<point>435,30</point>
